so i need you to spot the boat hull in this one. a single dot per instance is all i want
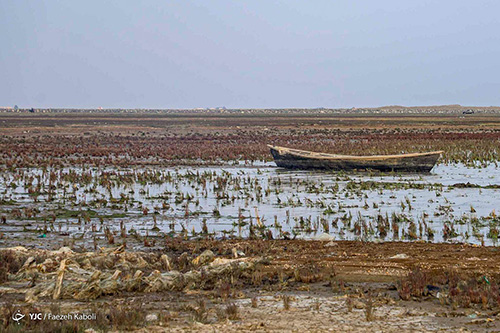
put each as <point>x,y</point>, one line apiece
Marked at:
<point>298,159</point>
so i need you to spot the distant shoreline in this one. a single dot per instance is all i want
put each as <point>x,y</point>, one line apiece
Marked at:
<point>392,109</point>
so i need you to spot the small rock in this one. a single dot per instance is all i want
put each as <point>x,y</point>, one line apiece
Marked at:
<point>400,256</point>
<point>332,243</point>
<point>152,317</point>
<point>324,237</point>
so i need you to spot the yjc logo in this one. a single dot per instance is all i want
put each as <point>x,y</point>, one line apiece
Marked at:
<point>35,316</point>
<point>17,316</point>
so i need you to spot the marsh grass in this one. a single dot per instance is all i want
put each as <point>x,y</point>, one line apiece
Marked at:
<point>287,302</point>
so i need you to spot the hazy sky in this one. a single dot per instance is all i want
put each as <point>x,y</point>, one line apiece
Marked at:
<point>184,54</point>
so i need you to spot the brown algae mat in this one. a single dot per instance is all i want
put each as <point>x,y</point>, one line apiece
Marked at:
<point>253,285</point>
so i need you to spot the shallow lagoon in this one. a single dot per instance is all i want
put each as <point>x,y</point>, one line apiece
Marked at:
<point>453,203</point>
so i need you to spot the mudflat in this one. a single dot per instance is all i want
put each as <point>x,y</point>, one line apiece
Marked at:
<point>175,222</point>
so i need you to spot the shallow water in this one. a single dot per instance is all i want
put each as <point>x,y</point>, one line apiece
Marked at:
<point>286,203</point>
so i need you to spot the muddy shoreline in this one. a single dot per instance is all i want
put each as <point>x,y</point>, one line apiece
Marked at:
<point>357,285</point>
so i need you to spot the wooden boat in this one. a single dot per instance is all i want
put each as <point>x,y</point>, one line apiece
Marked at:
<point>301,159</point>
